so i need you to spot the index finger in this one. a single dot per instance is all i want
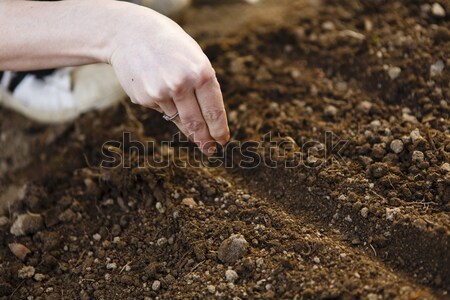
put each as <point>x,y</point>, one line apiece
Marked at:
<point>210,100</point>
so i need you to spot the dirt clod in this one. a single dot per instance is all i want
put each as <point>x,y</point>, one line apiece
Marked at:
<point>27,224</point>
<point>232,249</point>
<point>26,272</point>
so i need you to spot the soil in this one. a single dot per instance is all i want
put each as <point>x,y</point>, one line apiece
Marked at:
<point>353,202</point>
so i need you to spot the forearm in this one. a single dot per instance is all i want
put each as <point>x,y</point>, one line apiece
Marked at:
<point>39,35</point>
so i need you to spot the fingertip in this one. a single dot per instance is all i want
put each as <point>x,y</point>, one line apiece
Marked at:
<point>222,141</point>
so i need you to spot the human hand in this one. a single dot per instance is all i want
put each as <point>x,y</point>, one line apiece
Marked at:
<point>161,67</point>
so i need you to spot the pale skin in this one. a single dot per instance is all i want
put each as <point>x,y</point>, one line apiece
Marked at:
<point>158,64</point>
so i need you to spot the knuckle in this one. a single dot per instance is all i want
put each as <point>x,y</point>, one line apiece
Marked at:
<point>159,100</point>
<point>213,115</point>
<point>180,87</point>
<point>206,75</point>
<point>194,126</point>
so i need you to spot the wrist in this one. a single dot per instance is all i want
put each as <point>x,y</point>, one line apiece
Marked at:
<point>133,25</point>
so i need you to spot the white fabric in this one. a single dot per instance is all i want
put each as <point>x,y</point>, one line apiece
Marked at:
<point>52,93</point>
<point>6,79</point>
<point>52,100</point>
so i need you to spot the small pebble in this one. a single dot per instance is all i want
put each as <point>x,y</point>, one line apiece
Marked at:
<point>211,289</point>
<point>160,208</point>
<point>39,277</point>
<point>415,135</point>
<point>368,25</point>
<point>156,285</point>
<point>19,250</point>
<point>365,106</point>
<point>161,241</point>
<point>391,213</point>
<point>232,248</point>
<point>111,266</point>
<point>437,10</point>
<point>246,196</point>
<point>409,118</point>
<point>445,167</point>
<point>316,260</point>
<point>328,25</point>
<point>233,116</point>
<point>330,111</point>
<point>396,146</point>
<point>189,202</point>
<point>27,224</point>
<point>375,124</point>
<point>418,156</point>
<point>364,212</point>
<point>26,272</point>
<point>372,296</point>
<point>231,276</point>
<point>394,72</point>
<point>352,34</point>
<point>436,68</point>
<point>97,237</point>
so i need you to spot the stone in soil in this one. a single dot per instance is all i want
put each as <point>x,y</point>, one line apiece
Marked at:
<point>97,237</point>
<point>418,156</point>
<point>437,10</point>
<point>415,135</point>
<point>231,276</point>
<point>394,72</point>
<point>445,167</point>
<point>211,289</point>
<point>27,224</point>
<point>436,68</point>
<point>189,202</point>
<point>26,272</point>
<point>330,111</point>
<point>232,249</point>
<point>39,277</point>
<point>396,146</point>
<point>156,285</point>
<point>364,212</point>
<point>19,250</point>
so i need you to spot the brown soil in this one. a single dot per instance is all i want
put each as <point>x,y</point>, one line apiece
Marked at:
<point>354,221</point>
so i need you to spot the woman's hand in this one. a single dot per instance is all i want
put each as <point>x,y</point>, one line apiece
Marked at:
<point>158,64</point>
<point>161,67</point>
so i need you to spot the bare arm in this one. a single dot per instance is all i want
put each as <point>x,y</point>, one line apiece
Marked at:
<point>157,63</point>
<point>37,35</point>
